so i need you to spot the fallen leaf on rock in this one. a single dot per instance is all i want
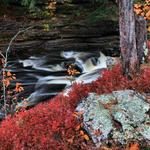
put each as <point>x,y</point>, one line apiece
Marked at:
<point>134,146</point>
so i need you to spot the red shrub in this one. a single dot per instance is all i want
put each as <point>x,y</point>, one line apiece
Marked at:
<point>142,82</point>
<point>51,125</point>
<point>47,126</point>
<point>114,80</point>
<point>111,80</point>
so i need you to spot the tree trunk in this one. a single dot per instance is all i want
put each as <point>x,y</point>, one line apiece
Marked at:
<point>141,36</point>
<point>128,48</point>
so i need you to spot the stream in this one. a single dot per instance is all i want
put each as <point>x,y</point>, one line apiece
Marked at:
<point>44,74</point>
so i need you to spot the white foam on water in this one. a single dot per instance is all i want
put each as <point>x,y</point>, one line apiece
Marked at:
<point>53,80</point>
<point>39,63</point>
<point>90,71</point>
<point>84,62</point>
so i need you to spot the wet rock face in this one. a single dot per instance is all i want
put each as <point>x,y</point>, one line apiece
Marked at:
<point>128,108</point>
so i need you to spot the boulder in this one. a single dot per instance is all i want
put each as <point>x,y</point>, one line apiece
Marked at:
<point>120,115</point>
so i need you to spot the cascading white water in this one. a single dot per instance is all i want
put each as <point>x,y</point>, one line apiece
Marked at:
<point>49,79</point>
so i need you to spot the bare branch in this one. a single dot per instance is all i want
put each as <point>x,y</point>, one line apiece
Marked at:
<point>2,55</point>
<point>5,65</point>
<point>11,41</point>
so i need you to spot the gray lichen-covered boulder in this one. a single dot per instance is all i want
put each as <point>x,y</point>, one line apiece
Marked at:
<point>128,108</point>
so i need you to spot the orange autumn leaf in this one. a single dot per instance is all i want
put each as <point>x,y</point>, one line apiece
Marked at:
<point>138,11</point>
<point>105,148</point>
<point>81,132</point>
<point>78,127</point>
<point>73,72</point>
<point>147,1</point>
<point>143,9</point>
<point>134,146</point>
<point>97,132</point>
<point>9,73</point>
<point>52,5</point>
<point>77,114</point>
<point>142,14</point>
<point>137,6</point>
<point>18,84</point>
<point>148,15</point>
<point>18,88</point>
<point>80,113</point>
<point>10,78</point>
<point>148,29</point>
<point>71,140</point>
<point>6,82</point>
<point>146,7</point>
<point>86,137</point>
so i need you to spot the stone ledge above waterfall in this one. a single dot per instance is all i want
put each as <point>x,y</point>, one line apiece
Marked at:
<point>81,37</point>
<point>127,109</point>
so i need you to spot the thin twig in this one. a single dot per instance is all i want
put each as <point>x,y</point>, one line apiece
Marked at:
<point>10,43</point>
<point>4,93</point>
<point>2,55</point>
<point>5,65</point>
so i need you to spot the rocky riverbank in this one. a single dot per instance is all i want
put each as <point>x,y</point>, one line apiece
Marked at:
<point>68,29</point>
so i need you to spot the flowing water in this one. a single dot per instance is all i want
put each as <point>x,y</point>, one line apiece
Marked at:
<point>44,75</point>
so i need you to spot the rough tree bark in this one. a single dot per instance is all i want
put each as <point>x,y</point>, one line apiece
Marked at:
<point>128,47</point>
<point>141,36</point>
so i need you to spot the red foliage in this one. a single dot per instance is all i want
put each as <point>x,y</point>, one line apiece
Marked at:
<point>111,80</point>
<point>51,125</point>
<point>47,126</point>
